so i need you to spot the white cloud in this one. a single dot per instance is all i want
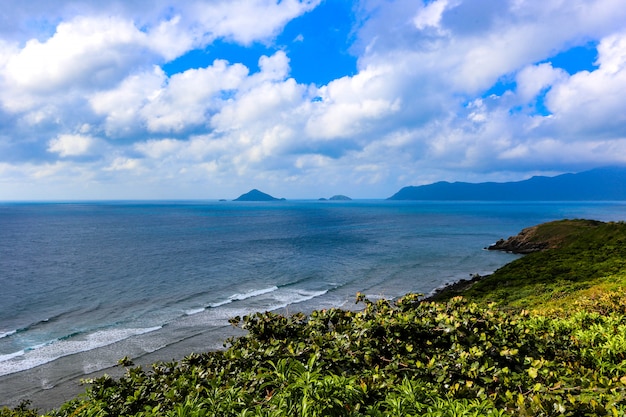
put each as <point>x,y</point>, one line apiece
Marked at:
<point>351,104</point>
<point>163,104</point>
<point>85,51</point>
<point>264,99</point>
<point>162,148</point>
<point>121,106</point>
<point>124,164</point>
<point>72,145</point>
<point>171,39</point>
<point>190,95</point>
<point>275,67</point>
<point>593,102</point>
<point>246,21</point>
<point>534,79</point>
<point>94,77</point>
<point>430,14</point>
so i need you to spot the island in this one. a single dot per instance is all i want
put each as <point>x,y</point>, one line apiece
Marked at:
<point>256,195</point>
<point>338,197</point>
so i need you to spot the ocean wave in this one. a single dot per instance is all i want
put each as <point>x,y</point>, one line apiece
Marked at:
<point>33,326</point>
<point>287,298</point>
<point>9,356</point>
<point>244,296</point>
<point>194,311</point>
<point>253,293</point>
<point>50,351</point>
<point>7,334</point>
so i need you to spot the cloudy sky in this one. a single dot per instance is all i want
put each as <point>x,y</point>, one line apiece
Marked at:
<point>204,99</point>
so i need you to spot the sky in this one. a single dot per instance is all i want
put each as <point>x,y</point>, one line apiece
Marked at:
<point>207,99</point>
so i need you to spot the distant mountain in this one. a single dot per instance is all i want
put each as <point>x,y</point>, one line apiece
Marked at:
<point>256,195</point>
<point>596,184</point>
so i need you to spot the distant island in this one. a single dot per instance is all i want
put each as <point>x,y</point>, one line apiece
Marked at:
<point>337,197</point>
<point>256,195</point>
<point>597,184</point>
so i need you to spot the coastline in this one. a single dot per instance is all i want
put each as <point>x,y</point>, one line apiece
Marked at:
<point>454,288</point>
<point>49,386</point>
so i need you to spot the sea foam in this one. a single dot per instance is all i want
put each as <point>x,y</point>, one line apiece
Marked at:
<point>50,351</point>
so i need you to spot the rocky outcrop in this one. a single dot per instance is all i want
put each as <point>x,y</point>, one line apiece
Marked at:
<point>544,236</point>
<point>523,243</point>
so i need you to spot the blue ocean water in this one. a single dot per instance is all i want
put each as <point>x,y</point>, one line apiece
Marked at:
<point>97,281</point>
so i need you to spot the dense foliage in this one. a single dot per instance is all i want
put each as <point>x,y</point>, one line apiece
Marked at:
<point>405,358</point>
<point>390,359</point>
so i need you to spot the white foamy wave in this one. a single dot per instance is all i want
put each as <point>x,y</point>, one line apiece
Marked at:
<point>276,301</point>
<point>243,296</point>
<point>254,293</point>
<point>294,297</point>
<point>7,334</point>
<point>8,356</point>
<point>194,311</point>
<point>48,352</point>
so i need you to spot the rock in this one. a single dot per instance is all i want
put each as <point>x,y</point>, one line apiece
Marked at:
<point>522,243</point>
<point>544,236</point>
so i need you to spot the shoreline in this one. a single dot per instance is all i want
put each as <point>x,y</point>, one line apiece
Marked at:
<point>50,385</point>
<point>454,288</point>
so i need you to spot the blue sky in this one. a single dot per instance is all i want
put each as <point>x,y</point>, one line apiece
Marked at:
<point>303,99</point>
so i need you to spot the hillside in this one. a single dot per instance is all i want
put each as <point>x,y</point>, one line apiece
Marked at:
<point>597,184</point>
<point>567,261</point>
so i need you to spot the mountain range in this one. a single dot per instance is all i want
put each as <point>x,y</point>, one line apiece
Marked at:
<point>607,183</point>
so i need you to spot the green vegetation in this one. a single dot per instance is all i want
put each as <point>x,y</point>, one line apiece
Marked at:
<point>555,344</point>
<point>581,255</point>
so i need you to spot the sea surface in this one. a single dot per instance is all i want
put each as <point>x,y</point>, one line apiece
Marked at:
<point>84,284</point>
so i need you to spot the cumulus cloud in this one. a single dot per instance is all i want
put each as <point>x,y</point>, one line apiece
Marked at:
<point>72,145</point>
<point>84,51</point>
<point>351,106</point>
<point>591,103</point>
<point>534,79</point>
<point>444,89</point>
<point>165,104</point>
<point>246,21</point>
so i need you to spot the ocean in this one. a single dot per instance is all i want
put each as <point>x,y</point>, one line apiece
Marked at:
<point>83,284</point>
